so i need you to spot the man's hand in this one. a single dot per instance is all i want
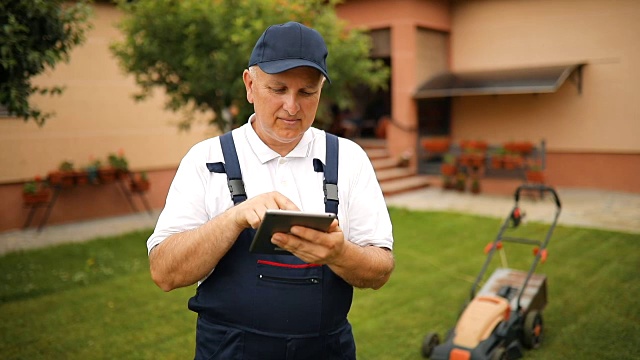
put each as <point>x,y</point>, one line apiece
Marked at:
<point>250,213</point>
<point>360,266</point>
<point>313,246</point>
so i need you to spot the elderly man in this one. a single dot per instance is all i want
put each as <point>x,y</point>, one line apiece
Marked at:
<point>257,306</point>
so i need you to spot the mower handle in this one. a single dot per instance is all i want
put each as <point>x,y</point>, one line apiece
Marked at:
<point>538,187</point>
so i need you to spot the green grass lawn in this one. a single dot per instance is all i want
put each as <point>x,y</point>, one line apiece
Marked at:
<point>96,300</point>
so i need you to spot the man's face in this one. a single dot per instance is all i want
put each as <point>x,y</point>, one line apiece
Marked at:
<point>285,104</point>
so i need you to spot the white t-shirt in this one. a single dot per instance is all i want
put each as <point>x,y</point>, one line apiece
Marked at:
<point>197,195</point>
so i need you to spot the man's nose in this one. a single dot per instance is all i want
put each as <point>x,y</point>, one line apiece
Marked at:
<point>291,105</point>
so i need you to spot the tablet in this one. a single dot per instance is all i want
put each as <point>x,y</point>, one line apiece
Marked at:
<point>281,221</point>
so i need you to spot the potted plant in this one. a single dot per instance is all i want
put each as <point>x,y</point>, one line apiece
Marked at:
<point>448,167</point>
<point>475,185</point>
<point>35,191</point>
<point>85,175</point>
<point>448,183</point>
<point>472,158</point>
<point>63,176</point>
<point>92,170</point>
<point>405,159</point>
<point>513,160</point>
<point>382,127</point>
<point>497,158</point>
<point>461,181</point>
<point>119,163</point>
<point>534,174</point>
<point>139,182</point>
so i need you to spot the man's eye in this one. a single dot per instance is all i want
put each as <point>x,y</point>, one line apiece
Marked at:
<point>278,90</point>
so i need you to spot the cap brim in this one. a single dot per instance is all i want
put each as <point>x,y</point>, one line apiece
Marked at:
<point>278,66</point>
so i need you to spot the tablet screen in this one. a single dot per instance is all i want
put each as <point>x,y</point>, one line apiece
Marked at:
<point>281,221</point>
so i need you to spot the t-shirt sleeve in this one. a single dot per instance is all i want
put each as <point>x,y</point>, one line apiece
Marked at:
<point>367,214</point>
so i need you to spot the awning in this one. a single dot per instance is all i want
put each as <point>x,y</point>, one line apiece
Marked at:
<point>533,80</point>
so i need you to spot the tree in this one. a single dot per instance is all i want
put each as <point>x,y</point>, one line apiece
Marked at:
<point>35,35</point>
<point>196,51</point>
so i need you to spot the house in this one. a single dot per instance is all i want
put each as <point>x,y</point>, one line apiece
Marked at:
<point>571,83</point>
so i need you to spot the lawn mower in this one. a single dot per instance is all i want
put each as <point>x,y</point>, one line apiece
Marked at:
<point>504,317</point>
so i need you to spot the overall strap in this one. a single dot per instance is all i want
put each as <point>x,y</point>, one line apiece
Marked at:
<point>236,185</point>
<point>331,175</point>
<point>232,168</point>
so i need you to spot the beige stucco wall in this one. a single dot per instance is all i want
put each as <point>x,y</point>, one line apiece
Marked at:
<point>95,116</point>
<point>605,118</point>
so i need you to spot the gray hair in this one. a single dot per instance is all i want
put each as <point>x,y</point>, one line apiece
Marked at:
<point>252,73</point>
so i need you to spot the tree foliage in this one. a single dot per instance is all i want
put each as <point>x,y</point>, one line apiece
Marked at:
<point>196,51</point>
<point>35,35</point>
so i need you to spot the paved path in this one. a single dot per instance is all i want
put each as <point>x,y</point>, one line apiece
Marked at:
<point>75,232</point>
<point>585,208</point>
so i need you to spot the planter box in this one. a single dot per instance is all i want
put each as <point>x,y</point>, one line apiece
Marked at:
<point>81,177</point>
<point>437,146</point>
<point>474,145</point>
<point>61,178</point>
<point>107,175</point>
<point>39,197</point>
<point>122,174</point>
<point>524,147</point>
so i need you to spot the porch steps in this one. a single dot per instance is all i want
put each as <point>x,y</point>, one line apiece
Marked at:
<point>392,178</point>
<point>384,163</point>
<point>377,154</point>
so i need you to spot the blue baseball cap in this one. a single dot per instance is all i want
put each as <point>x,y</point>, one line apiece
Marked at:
<point>286,46</point>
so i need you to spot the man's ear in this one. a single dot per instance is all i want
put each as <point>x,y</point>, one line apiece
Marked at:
<point>248,82</point>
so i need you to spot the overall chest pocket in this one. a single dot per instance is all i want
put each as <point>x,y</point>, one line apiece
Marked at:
<point>288,274</point>
<point>288,296</point>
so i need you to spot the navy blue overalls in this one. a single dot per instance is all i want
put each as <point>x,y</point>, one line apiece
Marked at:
<point>272,306</point>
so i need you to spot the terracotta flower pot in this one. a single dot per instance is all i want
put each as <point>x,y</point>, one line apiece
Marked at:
<point>448,169</point>
<point>139,185</point>
<point>535,176</point>
<point>448,182</point>
<point>497,162</point>
<point>381,128</point>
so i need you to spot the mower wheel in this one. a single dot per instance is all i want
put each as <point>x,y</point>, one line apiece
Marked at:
<point>533,330</point>
<point>431,340</point>
<point>499,354</point>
